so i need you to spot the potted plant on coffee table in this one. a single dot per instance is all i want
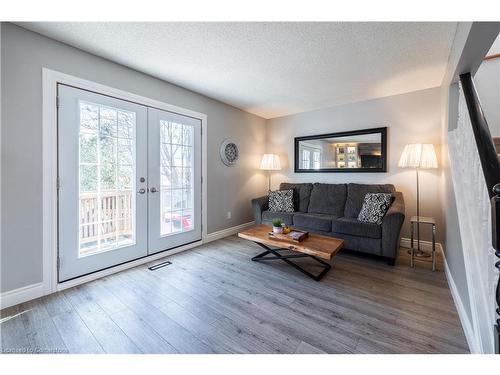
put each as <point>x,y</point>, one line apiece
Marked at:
<point>277,226</point>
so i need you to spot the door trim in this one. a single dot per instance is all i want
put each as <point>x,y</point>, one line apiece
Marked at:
<point>50,79</point>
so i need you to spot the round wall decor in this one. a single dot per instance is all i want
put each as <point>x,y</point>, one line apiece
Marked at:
<point>229,152</point>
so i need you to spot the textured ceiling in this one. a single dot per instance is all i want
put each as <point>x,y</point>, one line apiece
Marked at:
<point>273,69</point>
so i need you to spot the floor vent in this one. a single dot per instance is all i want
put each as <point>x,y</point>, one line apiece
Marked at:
<point>159,265</point>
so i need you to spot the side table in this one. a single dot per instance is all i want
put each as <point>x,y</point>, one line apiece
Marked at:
<point>417,220</point>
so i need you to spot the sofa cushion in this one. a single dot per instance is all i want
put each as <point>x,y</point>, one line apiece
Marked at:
<point>268,216</point>
<point>328,199</point>
<point>301,194</point>
<point>374,207</point>
<point>320,222</point>
<point>281,201</point>
<point>355,227</point>
<point>356,196</point>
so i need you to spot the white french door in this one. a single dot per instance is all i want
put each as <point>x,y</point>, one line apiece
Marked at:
<point>129,181</point>
<point>174,202</point>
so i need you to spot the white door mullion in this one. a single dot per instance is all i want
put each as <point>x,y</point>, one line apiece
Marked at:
<point>99,194</point>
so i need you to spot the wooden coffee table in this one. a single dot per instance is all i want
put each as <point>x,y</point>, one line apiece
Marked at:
<point>319,248</point>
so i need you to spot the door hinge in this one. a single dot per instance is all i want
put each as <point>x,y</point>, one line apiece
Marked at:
<point>58,183</point>
<point>58,262</point>
<point>57,101</point>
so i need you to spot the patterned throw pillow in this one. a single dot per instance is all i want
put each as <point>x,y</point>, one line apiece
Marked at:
<point>281,201</point>
<point>374,207</point>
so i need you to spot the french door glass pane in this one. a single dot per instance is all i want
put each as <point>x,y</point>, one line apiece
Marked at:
<point>176,190</point>
<point>107,178</point>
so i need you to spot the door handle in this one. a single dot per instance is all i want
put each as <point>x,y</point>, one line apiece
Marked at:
<point>142,191</point>
<point>153,190</point>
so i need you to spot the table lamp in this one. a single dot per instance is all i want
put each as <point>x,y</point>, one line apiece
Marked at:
<point>418,156</point>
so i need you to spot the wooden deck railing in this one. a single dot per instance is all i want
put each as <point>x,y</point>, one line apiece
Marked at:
<point>114,216</point>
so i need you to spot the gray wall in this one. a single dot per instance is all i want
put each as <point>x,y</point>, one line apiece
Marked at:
<point>411,118</point>
<point>23,54</point>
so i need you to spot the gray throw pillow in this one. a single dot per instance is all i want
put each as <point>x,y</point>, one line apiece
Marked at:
<point>281,201</point>
<point>374,207</point>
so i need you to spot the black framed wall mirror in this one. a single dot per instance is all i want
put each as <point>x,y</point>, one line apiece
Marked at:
<point>351,151</point>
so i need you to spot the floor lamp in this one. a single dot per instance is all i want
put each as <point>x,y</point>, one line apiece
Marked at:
<point>418,156</point>
<point>270,162</point>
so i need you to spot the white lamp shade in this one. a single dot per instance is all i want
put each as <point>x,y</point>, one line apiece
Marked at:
<point>418,155</point>
<point>270,162</point>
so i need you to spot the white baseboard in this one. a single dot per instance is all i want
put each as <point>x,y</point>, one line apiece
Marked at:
<point>228,232</point>
<point>20,295</point>
<point>424,245</point>
<point>462,313</point>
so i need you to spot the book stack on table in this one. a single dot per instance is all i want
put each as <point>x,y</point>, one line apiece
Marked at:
<point>294,235</point>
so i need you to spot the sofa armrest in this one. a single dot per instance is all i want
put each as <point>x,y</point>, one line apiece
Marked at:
<point>391,227</point>
<point>259,205</point>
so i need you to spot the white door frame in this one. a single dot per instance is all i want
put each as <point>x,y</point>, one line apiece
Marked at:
<point>50,79</point>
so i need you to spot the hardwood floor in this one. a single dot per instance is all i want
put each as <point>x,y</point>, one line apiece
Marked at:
<point>213,299</point>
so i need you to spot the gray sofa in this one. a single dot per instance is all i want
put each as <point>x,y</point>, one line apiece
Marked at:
<point>332,210</point>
